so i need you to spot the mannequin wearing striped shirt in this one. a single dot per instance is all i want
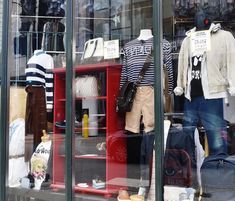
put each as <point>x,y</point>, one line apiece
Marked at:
<point>135,53</point>
<point>39,88</point>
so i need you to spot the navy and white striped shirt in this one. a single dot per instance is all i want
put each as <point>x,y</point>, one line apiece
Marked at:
<point>135,53</point>
<point>39,73</point>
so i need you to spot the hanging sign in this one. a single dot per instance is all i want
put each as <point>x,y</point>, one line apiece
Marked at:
<point>111,49</point>
<point>200,42</point>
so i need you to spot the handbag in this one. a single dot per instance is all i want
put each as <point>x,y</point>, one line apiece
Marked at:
<point>128,90</point>
<point>218,178</point>
<point>93,51</point>
<point>88,85</point>
<point>180,159</point>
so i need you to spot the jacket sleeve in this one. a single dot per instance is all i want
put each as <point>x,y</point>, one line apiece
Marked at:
<point>179,90</point>
<point>167,59</point>
<point>231,63</point>
<point>124,71</point>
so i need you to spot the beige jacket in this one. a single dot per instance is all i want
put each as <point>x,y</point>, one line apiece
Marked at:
<point>218,65</point>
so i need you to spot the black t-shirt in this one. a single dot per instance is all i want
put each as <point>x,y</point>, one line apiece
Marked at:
<point>196,84</point>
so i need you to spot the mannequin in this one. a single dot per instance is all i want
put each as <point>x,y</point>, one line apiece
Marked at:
<point>145,34</point>
<point>135,53</point>
<point>205,79</point>
<point>39,88</point>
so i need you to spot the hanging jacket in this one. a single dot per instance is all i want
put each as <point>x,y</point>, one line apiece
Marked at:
<point>218,70</point>
<point>53,34</point>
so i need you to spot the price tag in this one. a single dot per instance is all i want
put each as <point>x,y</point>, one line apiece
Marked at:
<point>200,42</point>
<point>111,49</point>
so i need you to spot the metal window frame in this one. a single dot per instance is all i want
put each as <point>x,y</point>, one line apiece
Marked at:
<point>158,98</point>
<point>4,107</point>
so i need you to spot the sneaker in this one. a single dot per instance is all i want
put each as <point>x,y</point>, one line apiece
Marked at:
<point>62,124</point>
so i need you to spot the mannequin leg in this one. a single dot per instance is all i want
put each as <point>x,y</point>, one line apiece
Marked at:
<point>146,161</point>
<point>211,115</point>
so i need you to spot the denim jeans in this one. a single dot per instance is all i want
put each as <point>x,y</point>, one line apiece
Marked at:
<point>209,112</point>
<point>146,158</point>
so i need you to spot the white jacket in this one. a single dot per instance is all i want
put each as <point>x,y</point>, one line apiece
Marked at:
<point>218,65</point>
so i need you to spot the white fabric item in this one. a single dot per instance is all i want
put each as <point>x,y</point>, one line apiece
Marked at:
<point>17,137</point>
<point>171,193</point>
<point>86,86</point>
<point>200,155</point>
<point>167,124</point>
<point>18,168</point>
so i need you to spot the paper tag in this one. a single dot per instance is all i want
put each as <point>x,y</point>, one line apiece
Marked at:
<point>111,49</point>
<point>200,42</point>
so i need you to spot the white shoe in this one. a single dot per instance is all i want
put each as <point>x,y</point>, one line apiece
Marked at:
<point>142,191</point>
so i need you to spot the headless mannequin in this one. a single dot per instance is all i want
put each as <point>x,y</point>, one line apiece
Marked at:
<point>206,111</point>
<point>145,34</point>
<point>147,139</point>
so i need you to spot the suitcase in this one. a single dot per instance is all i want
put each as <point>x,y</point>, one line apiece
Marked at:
<point>218,178</point>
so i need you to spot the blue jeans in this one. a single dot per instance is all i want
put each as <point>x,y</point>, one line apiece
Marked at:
<point>209,112</point>
<point>146,158</point>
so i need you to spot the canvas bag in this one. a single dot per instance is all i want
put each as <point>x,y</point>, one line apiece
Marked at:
<point>93,51</point>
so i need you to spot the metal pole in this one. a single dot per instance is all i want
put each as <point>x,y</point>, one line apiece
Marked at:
<point>159,127</point>
<point>69,180</point>
<point>4,113</point>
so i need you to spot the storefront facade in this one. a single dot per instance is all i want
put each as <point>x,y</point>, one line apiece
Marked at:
<point>65,134</point>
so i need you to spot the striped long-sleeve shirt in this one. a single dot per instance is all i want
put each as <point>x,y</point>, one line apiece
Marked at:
<point>135,53</point>
<point>39,73</point>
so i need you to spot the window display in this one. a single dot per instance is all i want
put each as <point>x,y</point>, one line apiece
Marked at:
<point>102,152</point>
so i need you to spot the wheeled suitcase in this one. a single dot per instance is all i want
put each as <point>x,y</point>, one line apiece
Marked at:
<point>218,178</point>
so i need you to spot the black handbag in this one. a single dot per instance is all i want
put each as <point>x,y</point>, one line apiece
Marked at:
<point>128,90</point>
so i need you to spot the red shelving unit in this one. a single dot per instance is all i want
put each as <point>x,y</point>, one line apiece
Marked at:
<point>107,164</point>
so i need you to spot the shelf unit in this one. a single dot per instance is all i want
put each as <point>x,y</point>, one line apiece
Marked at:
<point>107,164</point>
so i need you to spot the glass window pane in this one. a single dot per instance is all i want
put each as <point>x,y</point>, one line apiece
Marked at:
<point>202,38</point>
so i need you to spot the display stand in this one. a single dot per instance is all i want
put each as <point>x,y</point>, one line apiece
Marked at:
<point>90,162</point>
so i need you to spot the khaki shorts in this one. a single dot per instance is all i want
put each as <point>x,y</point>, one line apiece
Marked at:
<point>143,105</point>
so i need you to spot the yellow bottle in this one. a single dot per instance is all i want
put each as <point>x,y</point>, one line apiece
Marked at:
<point>85,120</point>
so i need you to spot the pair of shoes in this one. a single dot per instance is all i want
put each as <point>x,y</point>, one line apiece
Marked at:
<point>142,191</point>
<point>62,124</point>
